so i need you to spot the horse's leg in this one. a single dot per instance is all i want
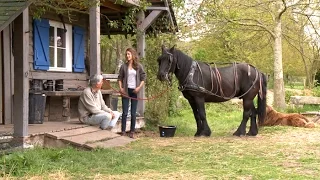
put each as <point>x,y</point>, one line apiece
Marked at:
<point>253,131</point>
<point>247,105</point>
<point>196,116</point>
<point>202,113</point>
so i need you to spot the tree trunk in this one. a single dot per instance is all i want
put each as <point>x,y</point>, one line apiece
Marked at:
<point>279,92</point>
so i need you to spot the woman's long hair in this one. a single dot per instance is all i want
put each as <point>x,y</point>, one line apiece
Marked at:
<point>135,59</point>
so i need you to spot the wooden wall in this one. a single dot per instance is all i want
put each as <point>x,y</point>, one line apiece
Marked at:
<point>1,83</point>
<point>71,80</point>
<point>7,74</point>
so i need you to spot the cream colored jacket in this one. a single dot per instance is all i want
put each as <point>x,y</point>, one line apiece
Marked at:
<point>91,103</point>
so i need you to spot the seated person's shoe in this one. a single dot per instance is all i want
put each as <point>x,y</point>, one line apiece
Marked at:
<point>109,128</point>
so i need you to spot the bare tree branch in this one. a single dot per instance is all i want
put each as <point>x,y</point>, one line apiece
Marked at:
<point>257,24</point>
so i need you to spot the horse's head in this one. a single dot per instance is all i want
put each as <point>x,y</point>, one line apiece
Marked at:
<point>166,64</point>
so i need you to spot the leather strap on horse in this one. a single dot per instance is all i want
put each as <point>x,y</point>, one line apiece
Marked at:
<point>144,99</point>
<point>191,86</point>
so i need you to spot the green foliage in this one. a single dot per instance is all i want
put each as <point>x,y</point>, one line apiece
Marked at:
<point>316,91</point>
<point>288,94</point>
<point>158,109</point>
<point>130,20</point>
<point>317,78</point>
<point>68,7</point>
<point>65,7</point>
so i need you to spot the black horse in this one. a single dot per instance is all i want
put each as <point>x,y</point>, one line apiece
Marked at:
<point>200,83</point>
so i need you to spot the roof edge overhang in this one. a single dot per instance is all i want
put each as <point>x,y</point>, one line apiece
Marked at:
<point>127,3</point>
<point>15,15</point>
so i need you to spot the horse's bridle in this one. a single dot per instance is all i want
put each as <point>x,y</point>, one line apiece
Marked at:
<point>167,74</point>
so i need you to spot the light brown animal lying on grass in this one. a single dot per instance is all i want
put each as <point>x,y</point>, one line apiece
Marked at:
<point>274,118</point>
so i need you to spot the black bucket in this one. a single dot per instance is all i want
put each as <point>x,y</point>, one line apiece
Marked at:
<point>167,131</point>
<point>37,103</point>
<point>59,85</point>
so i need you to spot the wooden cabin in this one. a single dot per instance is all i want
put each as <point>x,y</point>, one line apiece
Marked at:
<point>59,49</point>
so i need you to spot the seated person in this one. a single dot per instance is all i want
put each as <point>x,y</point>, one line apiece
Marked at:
<point>92,108</point>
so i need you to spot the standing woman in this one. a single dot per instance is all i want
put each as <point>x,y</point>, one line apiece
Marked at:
<point>131,79</point>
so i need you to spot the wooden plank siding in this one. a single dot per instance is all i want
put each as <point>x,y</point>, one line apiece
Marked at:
<point>1,82</point>
<point>71,79</point>
<point>7,75</point>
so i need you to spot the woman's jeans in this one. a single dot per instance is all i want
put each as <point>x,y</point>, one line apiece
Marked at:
<point>125,107</point>
<point>104,120</point>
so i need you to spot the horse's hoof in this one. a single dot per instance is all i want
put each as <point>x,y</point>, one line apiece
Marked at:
<point>205,133</point>
<point>238,134</point>
<point>252,133</point>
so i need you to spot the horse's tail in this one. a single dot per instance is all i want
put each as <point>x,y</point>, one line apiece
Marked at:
<point>262,98</point>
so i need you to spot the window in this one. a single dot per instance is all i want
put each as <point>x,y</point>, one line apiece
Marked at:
<point>56,49</point>
<point>60,47</point>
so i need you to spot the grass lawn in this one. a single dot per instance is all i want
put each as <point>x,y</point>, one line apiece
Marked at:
<point>276,153</point>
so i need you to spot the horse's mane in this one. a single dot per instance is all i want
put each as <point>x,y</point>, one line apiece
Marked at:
<point>183,56</point>
<point>183,64</point>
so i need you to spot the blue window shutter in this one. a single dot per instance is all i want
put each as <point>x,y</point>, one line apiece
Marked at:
<point>41,44</point>
<point>78,49</point>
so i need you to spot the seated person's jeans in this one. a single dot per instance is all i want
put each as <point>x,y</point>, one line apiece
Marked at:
<point>104,119</point>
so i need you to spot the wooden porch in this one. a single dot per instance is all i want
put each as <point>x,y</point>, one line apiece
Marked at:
<point>27,61</point>
<point>70,133</point>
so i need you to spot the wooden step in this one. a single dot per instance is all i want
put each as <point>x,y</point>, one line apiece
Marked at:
<point>115,142</point>
<point>80,140</point>
<point>73,132</point>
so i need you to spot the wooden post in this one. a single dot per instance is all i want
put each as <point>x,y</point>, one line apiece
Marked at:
<point>143,23</point>
<point>141,46</point>
<point>7,91</point>
<point>1,84</point>
<point>21,73</point>
<point>66,108</point>
<point>94,18</point>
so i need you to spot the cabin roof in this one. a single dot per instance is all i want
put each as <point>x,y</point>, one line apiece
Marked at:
<point>9,10</point>
<point>166,22</point>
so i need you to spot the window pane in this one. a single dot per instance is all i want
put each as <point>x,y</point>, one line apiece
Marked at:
<point>61,38</point>
<point>51,35</point>
<point>61,57</point>
<point>51,56</point>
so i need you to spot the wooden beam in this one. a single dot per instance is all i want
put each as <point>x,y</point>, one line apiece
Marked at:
<point>95,61</point>
<point>170,15</point>
<point>106,11</point>
<point>57,75</point>
<point>141,34</point>
<point>149,20</point>
<point>158,8</point>
<point>7,92</point>
<point>141,47</point>
<point>1,82</point>
<point>113,6</point>
<point>21,71</point>
<point>127,3</point>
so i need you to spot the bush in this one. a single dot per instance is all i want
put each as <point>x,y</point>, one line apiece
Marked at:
<point>316,91</point>
<point>288,94</point>
<point>158,109</point>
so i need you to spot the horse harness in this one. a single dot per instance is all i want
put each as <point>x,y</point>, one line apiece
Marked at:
<point>190,85</point>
